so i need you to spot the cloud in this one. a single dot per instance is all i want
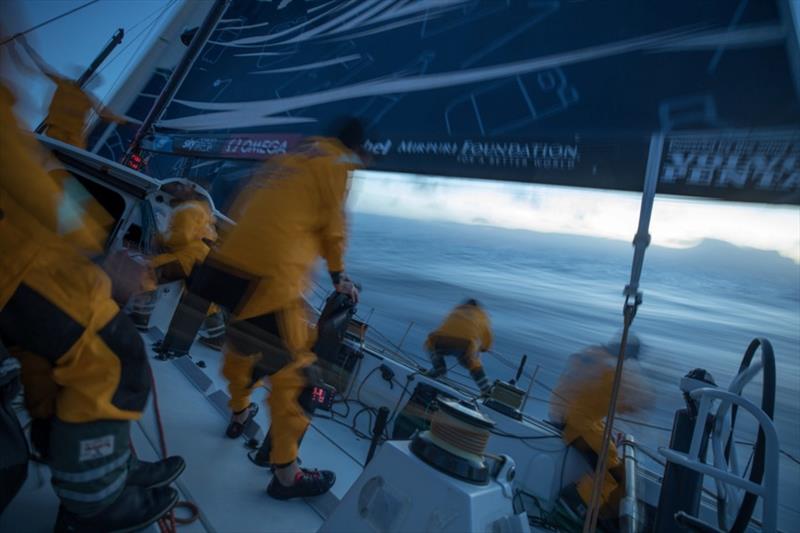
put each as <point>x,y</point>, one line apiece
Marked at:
<point>676,222</point>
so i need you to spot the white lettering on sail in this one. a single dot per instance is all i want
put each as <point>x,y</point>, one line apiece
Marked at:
<point>766,161</point>
<point>515,154</point>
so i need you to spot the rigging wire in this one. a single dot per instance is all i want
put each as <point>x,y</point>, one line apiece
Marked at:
<point>411,359</point>
<point>148,29</point>
<point>548,401</point>
<point>158,10</point>
<point>149,18</point>
<point>48,21</point>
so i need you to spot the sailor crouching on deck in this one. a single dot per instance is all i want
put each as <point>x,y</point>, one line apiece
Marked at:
<point>464,333</point>
<point>287,217</point>
<point>580,404</point>
<point>84,367</point>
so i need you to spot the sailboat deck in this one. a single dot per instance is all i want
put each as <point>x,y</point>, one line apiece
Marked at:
<point>226,487</point>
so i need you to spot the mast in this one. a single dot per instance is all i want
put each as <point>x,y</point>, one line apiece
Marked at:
<point>115,40</point>
<point>107,49</point>
<point>162,55</point>
<point>176,78</point>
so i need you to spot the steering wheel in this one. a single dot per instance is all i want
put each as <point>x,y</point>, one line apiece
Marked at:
<point>735,505</point>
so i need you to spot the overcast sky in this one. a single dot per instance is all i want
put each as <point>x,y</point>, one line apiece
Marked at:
<point>72,42</point>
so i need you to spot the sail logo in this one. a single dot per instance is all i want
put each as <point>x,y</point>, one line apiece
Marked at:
<point>427,148</point>
<point>559,156</point>
<point>766,163</point>
<point>198,144</point>
<point>378,147</point>
<point>251,146</point>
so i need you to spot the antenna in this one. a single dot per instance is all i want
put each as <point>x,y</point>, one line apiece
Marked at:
<point>520,369</point>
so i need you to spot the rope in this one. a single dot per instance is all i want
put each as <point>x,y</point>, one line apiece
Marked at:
<point>592,514</point>
<point>460,436</point>
<point>194,512</point>
<point>158,12</point>
<point>149,29</point>
<point>168,524</point>
<point>48,21</point>
<point>411,360</point>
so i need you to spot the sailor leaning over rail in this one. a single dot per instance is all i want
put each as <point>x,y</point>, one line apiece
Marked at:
<point>84,367</point>
<point>286,217</point>
<point>465,332</point>
<point>580,404</point>
<point>185,242</point>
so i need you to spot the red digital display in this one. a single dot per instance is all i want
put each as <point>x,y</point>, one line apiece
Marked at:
<point>135,162</point>
<point>318,395</point>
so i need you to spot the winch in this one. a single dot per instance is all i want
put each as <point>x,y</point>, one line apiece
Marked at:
<point>442,480</point>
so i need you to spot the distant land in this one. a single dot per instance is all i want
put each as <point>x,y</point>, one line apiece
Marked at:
<point>708,257</point>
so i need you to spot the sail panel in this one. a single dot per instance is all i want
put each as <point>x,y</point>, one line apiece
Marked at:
<point>541,91</point>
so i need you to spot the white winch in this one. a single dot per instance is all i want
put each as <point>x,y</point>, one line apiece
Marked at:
<point>440,481</point>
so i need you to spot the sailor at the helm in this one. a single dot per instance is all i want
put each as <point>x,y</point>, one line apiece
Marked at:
<point>287,216</point>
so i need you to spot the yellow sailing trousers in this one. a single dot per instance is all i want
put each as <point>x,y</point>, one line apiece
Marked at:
<point>82,359</point>
<point>275,345</point>
<point>584,432</point>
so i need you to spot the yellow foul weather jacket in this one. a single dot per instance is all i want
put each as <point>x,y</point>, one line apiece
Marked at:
<point>286,218</point>
<point>36,214</point>
<point>40,226</point>
<point>69,109</point>
<point>465,322</point>
<point>580,401</point>
<point>191,229</point>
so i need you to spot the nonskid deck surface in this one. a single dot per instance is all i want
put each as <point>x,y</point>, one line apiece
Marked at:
<point>228,489</point>
<point>34,509</point>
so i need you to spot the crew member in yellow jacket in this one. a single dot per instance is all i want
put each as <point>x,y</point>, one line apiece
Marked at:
<point>70,106</point>
<point>84,367</point>
<point>191,232</point>
<point>185,243</point>
<point>285,218</point>
<point>188,239</point>
<point>69,110</point>
<point>580,404</point>
<point>465,332</point>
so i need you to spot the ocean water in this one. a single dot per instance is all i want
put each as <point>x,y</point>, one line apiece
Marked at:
<point>550,295</point>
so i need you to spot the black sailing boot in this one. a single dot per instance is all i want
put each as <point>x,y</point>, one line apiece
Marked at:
<point>134,509</point>
<point>215,343</point>
<point>307,483</point>
<point>239,421</point>
<point>158,474</point>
